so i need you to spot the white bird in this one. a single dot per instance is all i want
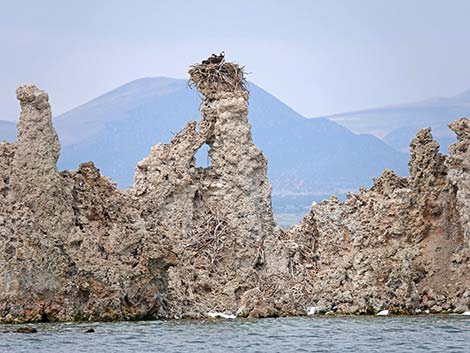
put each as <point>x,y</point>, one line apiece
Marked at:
<point>311,311</point>
<point>382,313</point>
<point>214,315</point>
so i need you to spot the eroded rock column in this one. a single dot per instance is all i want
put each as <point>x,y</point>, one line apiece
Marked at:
<point>217,219</point>
<point>35,180</point>
<point>459,171</point>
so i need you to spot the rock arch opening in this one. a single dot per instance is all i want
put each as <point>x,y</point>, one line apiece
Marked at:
<point>203,160</point>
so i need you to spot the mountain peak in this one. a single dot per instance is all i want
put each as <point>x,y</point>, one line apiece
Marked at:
<point>154,86</point>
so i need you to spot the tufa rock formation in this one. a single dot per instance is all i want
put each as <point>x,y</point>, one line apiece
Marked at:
<point>72,246</point>
<point>193,242</point>
<point>217,219</point>
<point>401,246</point>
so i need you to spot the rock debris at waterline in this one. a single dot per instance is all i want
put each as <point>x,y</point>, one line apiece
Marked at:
<point>194,242</point>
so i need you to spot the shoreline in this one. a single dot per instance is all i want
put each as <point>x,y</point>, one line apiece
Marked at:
<point>211,318</point>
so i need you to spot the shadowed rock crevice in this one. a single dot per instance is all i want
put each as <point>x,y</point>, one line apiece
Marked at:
<point>184,241</point>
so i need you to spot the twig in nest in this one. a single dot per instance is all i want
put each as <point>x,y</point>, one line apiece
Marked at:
<point>215,74</point>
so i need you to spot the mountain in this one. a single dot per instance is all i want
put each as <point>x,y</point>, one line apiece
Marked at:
<point>306,156</point>
<point>315,156</point>
<point>7,131</point>
<point>396,124</point>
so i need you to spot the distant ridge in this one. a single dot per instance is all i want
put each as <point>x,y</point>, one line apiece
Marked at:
<point>397,124</point>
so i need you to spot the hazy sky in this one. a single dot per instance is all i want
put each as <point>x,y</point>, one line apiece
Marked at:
<point>319,57</point>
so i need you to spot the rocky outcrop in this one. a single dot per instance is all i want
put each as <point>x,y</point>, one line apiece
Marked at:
<point>75,247</point>
<point>185,241</point>
<point>458,165</point>
<point>72,247</point>
<point>216,219</point>
<point>399,246</point>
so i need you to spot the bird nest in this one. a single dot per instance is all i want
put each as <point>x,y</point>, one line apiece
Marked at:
<point>215,74</point>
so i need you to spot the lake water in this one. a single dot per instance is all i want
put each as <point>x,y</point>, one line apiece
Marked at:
<point>305,334</point>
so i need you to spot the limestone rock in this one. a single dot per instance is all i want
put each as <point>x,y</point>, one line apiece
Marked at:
<point>217,218</point>
<point>398,246</point>
<point>459,172</point>
<point>72,247</point>
<point>185,241</point>
<point>7,152</point>
<point>182,241</point>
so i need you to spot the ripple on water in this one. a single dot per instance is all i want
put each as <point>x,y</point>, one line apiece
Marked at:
<point>306,334</point>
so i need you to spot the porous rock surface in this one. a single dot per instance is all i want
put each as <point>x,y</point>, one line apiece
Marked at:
<point>185,241</point>
<point>401,246</point>
<point>217,219</point>
<point>72,246</point>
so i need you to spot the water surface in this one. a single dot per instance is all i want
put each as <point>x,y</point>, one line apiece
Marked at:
<point>305,334</point>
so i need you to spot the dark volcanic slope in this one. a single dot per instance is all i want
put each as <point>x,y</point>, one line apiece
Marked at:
<point>117,129</point>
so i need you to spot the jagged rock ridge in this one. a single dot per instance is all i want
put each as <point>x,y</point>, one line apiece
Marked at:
<point>184,241</point>
<point>72,246</point>
<point>401,246</point>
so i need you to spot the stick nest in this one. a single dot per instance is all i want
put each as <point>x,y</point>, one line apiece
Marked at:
<point>215,74</point>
